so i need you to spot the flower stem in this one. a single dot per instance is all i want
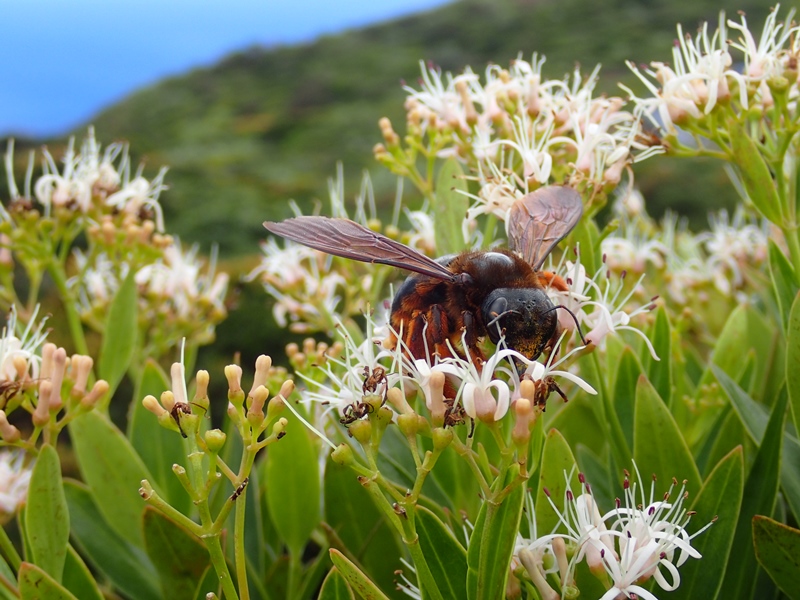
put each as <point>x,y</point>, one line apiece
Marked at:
<point>56,271</point>
<point>238,548</point>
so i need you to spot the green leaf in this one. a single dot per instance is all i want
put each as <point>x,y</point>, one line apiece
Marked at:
<point>36,584</point>
<point>628,373</point>
<point>47,515</point>
<point>492,542</point>
<point>293,487</point>
<point>178,555</point>
<point>558,463</point>
<point>784,280</point>
<point>658,445</point>
<point>755,174</point>
<point>125,565</point>
<point>11,577</point>
<point>793,361</point>
<point>359,527</point>
<point>450,208</point>
<point>359,582</point>
<point>78,578</point>
<point>113,471</point>
<point>660,371</point>
<point>754,418</point>
<point>445,556</point>
<point>119,337</point>
<point>158,447</point>
<point>587,237</point>
<point>335,587</point>
<point>721,496</point>
<point>759,496</point>
<point>777,549</point>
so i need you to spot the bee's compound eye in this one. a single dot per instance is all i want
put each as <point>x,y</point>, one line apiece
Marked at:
<point>494,308</point>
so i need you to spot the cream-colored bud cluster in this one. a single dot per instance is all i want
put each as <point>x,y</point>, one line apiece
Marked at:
<point>174,411</point>
<point>61,386</point>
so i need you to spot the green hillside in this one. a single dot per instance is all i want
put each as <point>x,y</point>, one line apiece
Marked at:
<point>266,125</point>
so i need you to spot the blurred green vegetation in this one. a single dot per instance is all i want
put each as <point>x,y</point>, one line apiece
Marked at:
<point>266,125</point>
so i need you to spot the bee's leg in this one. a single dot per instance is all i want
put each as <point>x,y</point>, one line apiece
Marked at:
<point>471,338</point>
<point>439,331</point>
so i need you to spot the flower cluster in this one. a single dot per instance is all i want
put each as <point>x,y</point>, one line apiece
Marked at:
<point>701,77</point>
<point>39,378</point>
<point>726,257</point>
<point>15,477</point>
<point>640,539</point>
<point>520,130</point>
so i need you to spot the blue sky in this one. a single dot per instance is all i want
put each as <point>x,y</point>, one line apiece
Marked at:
<point>64,60</point>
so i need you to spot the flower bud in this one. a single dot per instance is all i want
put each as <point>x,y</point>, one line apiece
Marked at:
<point>343,455</point>
<point>57,378</point>
<point>168,400</point>
<point>362,431</point>
<point>41,416</point>
<point>263,365</point>
<point>201,389</point>
<point>408,424</point>
<point>178,375</point>
<point>233,374</point>
<point>81,369</point>
<point>398,401</point>
<point>151,404</point>
<point>8,432</point>
<point>279,429</point>
<point>99,389</point>
<point>215,439</point>
<point>442,438</point>
<point>435,401</point>
<point>255,414</point>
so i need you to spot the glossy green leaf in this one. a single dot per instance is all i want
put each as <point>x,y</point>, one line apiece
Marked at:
<point>445,556</point>
<point>721,496</point>
<point>624,395</point>
<point>359,527</point>
<point>124,564</point>
<point>359,582</point>
<point>36,584</point>
<point>754,173</point>
<point>335,587</point>
<point>178,555</point>
<point>658,445</point>
<point>760,491</point>
<point>784,280</point>
<point>660,371</point>
<point>754,418</point>
<point>78,578</point>
<point>793,361</point>
<point>450,208</point>
<point>587,237</point>
<point>293,486</point>
<point>558,463</point>
<point>119,338</point>
<point>47,515</point>
<point>492,543</point>
<point>158,447</point>
<point>777,549</point>
<point>113,471</point>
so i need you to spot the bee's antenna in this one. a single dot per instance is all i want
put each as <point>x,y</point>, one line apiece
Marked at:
<point>574,318</point>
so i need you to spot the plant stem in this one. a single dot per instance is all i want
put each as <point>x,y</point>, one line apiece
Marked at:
<point>220,566</point>
<point>56,271</point>
<point>238,546</point>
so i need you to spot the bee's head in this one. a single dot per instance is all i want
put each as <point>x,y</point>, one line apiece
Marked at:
<point>525,317</point>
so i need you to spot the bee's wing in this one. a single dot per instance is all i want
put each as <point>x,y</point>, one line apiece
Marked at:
<point>342,237</point>
<point>538,221</point>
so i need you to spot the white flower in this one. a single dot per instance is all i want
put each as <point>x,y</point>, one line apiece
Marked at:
<point>15,478</point>
<point>651,535</point>
<point>138,194</point>
<point>763,59</point>
<point>179,279</point>
<point>65,189</point>
<point>20,356</point>
<point>531,142</point>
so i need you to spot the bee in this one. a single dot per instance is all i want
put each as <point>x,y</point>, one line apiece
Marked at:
<point>446,306</point>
